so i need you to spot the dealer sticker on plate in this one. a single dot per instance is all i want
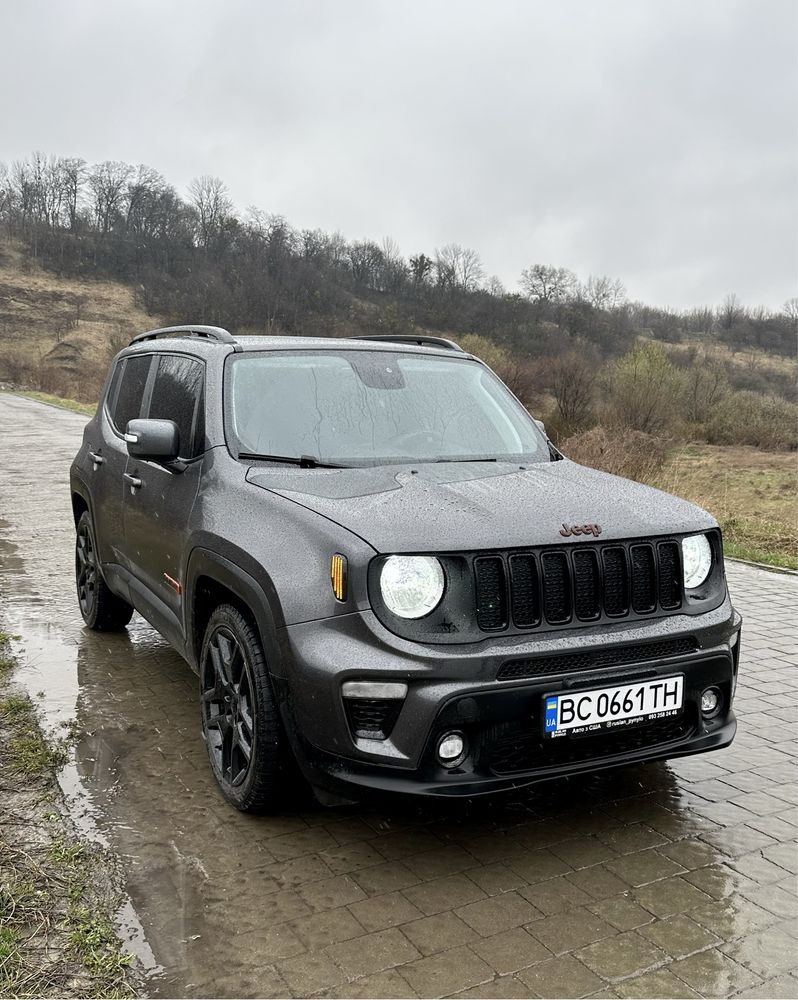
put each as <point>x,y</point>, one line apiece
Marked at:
<point>578,713</point>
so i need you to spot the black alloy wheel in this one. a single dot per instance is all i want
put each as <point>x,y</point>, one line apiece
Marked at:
<point>100,607</point>
<point>86,570</point>
<point>228,707</point>
<point>240,721</point>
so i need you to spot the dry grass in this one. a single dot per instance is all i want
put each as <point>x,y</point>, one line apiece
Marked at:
<point>751,493</point>
<point>58,334</point>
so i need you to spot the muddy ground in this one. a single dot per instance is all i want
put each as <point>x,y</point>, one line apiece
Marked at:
<point>675,879</point>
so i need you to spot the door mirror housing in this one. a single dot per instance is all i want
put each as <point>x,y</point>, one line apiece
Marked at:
<point>541,428</point>
<point>153,439</point>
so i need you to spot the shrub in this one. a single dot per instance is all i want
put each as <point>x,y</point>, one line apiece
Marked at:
<point>628,453</point>
<point>642,390</point>
<point>744,417</point>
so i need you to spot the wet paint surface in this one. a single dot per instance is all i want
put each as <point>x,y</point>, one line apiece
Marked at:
<point>672,879</point>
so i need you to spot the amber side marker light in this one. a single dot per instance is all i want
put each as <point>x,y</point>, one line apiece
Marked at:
<point>338,576</point>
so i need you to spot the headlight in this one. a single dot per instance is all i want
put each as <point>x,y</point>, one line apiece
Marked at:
<point>411,585</point>
<point>696,560</point>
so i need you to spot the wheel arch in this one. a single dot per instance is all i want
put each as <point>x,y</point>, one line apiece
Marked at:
<point>213,579</point>
<point>80,503</point>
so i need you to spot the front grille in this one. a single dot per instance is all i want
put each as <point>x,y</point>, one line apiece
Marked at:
<point>578,584</point>
<point>492,589</point>
<point>598,659</point>
<point>372,718</point>
<point>512,748</point>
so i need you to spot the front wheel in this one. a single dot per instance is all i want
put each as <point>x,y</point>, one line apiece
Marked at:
<point>101,609</point>
<point>240,721</point>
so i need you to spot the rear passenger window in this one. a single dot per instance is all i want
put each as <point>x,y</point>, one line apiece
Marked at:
<point>131,391</point>
<point>177,395</point>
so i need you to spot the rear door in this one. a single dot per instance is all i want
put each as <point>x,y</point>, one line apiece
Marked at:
<point>156,513</point>
<point>108,456</point>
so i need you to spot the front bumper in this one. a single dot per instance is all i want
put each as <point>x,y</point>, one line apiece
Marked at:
<point>456,688</point>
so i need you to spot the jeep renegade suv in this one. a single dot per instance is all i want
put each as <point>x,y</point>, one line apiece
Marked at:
<point>380,567</point>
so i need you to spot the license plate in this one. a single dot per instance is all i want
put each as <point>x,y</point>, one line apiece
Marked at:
<point>579,713</point>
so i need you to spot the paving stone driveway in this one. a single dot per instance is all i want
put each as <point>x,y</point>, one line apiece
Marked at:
<point>674,879</point>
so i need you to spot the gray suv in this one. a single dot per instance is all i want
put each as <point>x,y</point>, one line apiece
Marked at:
<point>384,572</point>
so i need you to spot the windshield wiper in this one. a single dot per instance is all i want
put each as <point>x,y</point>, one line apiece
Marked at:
<point>437,460</point>
<point>304,461</point>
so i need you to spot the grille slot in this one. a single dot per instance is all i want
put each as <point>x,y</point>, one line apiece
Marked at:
<point>644,579</point>
<point>491,593</point>
<point>616,581</point>
<point>596,660</point>
<point>525,591</point>
<point>372,718</point>
<point>670,575</point>
<point>556,588</point>
<point>587,585</point>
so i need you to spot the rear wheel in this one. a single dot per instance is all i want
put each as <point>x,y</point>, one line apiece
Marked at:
<point>240,721</point>
<point>101,609</point>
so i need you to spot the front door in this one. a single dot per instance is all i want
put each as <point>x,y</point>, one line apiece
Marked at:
<point>159,498</point>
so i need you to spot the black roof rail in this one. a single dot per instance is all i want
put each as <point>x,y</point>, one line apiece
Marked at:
<point>421,341</point>
<point>215,333</point>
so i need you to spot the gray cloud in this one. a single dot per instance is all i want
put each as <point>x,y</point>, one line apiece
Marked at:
<point>656,142</point>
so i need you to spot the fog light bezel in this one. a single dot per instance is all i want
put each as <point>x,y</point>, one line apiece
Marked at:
<point>708,716</point>
<point>454,761</point>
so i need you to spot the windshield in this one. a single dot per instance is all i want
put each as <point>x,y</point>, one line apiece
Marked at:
<point>374,407</point>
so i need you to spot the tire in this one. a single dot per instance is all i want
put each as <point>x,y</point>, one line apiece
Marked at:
<point>240,720</point>
<point>101,609</point>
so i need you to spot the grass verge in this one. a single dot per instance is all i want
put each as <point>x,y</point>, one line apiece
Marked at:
<point>752,494</point>
<point>87,409</point>
<point>57,895</point>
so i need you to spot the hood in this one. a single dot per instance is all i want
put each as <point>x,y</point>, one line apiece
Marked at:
<point>468,506</point>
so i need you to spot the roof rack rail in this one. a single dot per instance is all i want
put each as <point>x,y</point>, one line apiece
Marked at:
<point>421,341</point>
<point>215,333</point>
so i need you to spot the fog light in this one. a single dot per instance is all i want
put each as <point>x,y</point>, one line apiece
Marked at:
<point>451,749</point>
<point>710,702</point>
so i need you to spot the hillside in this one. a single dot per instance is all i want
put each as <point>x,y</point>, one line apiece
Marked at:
<point>58,333</point>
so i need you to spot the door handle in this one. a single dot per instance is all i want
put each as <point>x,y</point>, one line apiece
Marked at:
<point>133,481</point>
<point>96,458</point>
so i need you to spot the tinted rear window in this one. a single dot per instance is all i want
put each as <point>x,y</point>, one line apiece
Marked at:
<point>131,391</point>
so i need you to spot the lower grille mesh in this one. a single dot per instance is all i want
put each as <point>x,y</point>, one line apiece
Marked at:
<point>516,750</point>
<point>596,659</point>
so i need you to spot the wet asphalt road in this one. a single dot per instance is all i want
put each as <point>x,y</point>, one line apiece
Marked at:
<point>674,879</point>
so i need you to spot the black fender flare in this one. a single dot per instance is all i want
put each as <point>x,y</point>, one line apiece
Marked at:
<point>79,487</point>
<point>258,594</point>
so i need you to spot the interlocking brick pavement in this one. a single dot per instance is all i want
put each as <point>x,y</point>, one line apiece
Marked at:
<point>673,879</point>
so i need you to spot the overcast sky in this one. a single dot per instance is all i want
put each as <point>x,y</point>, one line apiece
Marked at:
<point>656,141</point>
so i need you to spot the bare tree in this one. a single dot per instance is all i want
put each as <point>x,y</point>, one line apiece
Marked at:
<point>108,185</point>
<point>603,292</point>
<point>543,283</point>
<point>790,310</point>
<point>458,267</point>
<point>143,190</point>
<point>74,175</point>
<point>209,197</point>
<point>730,312</point>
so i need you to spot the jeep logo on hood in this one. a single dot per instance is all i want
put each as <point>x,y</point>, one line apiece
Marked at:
<point>580,529</point>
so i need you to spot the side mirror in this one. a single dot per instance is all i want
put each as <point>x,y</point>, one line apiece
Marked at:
<point>541,428</point>
<point>155,439</point>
